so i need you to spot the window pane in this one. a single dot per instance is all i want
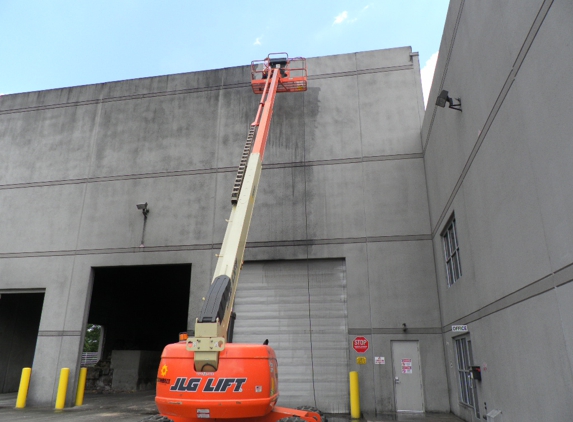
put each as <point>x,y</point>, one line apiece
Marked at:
<point>451,240</point>
<point>468,395</point>
<point>463,353</point>
<point>451,252</point>
<point>459,354</point>
<point>454,234</point>
<point>446,246</point>
<point>461,387</point>
<point>456,271</point>
<point>449,274</point>
<point>469,390</point>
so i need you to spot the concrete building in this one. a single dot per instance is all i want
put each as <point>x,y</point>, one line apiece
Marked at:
<point>360,192</point>
<point>500,171</point>
<point>340,244</point>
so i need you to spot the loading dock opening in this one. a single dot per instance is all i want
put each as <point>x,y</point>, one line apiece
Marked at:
<point>142,308</point>
<point>19,323</point>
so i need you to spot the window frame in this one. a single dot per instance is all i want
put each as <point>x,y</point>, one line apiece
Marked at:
<point>451,249</point>
<point>467,391</point>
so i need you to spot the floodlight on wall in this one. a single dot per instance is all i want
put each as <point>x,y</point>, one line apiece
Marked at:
<point>145,210</point>
<point>444,98</point>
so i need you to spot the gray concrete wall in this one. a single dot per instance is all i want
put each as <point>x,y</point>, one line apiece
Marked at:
<point>134,370</point>
<point>502,165</point>
<point>343,178</point>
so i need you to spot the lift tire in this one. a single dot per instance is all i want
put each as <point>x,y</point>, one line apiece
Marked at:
<point>156,418</point>
<point>291,419</point>
<point>313,409</point>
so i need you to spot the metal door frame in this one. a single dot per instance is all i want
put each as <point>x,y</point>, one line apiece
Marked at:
<point>394,377</point>
<point>463,344</point>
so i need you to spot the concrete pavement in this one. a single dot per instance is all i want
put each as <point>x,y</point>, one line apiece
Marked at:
<point>140,407</point>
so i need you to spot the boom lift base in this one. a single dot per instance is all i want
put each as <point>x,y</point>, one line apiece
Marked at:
<point>206,377</point>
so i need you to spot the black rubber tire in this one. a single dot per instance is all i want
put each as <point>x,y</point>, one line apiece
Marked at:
<point>291,419</point>
<point>313,409</point>
<point>156,418</point>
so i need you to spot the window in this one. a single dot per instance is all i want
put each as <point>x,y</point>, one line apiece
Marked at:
<point>467,390</point>
<point>452,252</point>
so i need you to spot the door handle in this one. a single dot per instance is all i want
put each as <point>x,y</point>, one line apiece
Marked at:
<point>397,380</point>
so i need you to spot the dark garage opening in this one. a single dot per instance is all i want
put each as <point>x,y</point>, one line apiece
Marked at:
<point>141,309</point>
<point>19,323</point>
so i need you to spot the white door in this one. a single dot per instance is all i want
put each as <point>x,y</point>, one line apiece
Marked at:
<point>300,307</point>
<point>408,390</point>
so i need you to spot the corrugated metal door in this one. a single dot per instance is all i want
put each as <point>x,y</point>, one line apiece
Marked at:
<point>300,307</point>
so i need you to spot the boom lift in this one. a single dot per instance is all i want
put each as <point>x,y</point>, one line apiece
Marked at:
<point>207,376</point>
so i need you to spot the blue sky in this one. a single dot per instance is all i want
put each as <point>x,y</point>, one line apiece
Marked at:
<point>58,43</point>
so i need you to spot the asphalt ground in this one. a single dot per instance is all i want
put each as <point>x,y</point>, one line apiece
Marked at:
<point>140,407</point>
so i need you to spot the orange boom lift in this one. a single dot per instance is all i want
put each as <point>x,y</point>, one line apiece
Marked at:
<point>207,376</point>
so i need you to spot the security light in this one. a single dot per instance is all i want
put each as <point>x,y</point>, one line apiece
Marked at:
<point>440,101</point>
<point>444,98</point>
<point>144,209</point>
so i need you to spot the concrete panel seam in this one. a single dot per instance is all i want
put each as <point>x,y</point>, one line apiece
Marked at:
<point>361,72</point>
<point>408,238</point>
<point>446,66</point>
<point>392,157</point>
<point>18,291</point>
<point>218,170</point>
<point>563,275</point>
<point>127,98</point>
<point>354,160</point>
<point>106,251</point>
<point>192,90</point>
<point>216,246</point>
<point>496,107</point>
<point>411,330</point>
<point>56,333</point>
<point>536,288</point>
<point>118,178</point>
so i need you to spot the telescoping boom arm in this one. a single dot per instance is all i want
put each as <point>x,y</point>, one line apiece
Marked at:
<point>212,326</point>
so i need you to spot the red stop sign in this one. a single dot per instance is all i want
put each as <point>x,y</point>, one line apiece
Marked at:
<point>360,344</point>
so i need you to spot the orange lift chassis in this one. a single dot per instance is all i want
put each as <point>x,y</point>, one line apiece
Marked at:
<point>207,376</point>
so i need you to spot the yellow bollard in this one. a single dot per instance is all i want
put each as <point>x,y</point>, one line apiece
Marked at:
<point>81,386</point>
<point>354,396</point>
<point>23,389</point>
<point>62,388</point>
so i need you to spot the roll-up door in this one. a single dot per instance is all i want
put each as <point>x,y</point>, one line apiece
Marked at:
<point>300,307</point>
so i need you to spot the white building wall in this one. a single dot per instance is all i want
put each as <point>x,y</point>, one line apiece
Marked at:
<point>502,165</point>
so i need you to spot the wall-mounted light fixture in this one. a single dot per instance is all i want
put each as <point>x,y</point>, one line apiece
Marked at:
<point>145,210</point>
<point>404,327</point>
<point>444,98</point>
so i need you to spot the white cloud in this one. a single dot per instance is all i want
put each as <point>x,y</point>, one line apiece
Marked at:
<point>258,41</point>
<point>340,18</point>
<point>427,74</point>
